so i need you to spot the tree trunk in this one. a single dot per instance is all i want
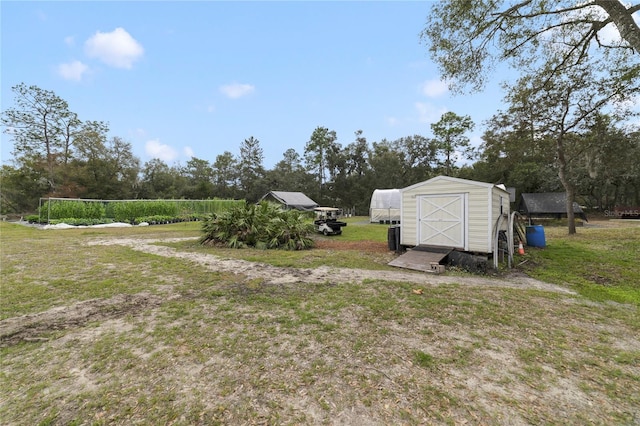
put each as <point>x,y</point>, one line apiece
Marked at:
<point>571,219</point>
<point>623,19</point>
<point>616,195</point>
<point>568,186</point>
<point>50,156</point>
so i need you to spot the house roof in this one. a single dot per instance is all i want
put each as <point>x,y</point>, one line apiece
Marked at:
<point>548,203</point>
<point>296,200</point>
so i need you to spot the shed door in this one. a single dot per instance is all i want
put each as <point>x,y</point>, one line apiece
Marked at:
<point>441,220</point>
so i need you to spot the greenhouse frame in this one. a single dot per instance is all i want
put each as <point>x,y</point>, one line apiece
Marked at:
<point>385,206</point>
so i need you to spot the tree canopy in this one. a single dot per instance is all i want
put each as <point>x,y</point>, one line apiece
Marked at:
<point>44,131</point>
<point>468,39</point>
<point>576,61</point>
<point>520,148</point>
<point>450,139</point>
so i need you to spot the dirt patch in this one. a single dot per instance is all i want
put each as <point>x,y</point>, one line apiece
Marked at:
<point>35,327</point>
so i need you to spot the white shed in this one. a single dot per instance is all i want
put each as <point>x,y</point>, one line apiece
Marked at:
<point>385,206</point>
<point>453,213</point>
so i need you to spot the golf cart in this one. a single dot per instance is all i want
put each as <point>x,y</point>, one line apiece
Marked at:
<point>327,222</point>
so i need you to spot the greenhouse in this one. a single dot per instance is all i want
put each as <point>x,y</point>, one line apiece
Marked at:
<point>385,206</point>
<point>77,211</point>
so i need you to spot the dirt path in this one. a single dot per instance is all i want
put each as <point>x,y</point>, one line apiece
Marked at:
<point>277,275</point>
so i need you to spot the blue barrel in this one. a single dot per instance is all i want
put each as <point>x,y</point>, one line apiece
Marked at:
<point>535,236</point>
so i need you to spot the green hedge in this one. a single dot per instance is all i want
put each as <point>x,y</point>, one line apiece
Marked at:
<point>60,209</point>
<point>134,211</point>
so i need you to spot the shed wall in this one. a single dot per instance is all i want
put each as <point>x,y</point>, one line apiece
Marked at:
<point>482,210</point>
<point>499,198</point>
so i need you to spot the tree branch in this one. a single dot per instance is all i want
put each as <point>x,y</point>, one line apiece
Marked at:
<point>623,19</point>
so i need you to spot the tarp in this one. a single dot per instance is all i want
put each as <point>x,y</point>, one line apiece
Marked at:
<point>385,206</point>
<point>548,204</point>
<point>291,200</point>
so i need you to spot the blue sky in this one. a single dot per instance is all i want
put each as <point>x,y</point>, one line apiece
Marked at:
<point>183,79</point>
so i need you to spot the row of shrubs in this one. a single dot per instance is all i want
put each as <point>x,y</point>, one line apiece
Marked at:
<point>151,220</point>
<point>131,211</point>
<point>60,209</point>
<point>235,224</point>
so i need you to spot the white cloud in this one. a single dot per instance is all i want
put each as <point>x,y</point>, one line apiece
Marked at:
<point>73,70</point>
<point>117,48</point>
<point>188,152</point>
<point>155,149</point>
<point>434,88</point>
<point>392,121</point>
<point>139,132</point>
<point>236,90</point>
<point>428,113</point>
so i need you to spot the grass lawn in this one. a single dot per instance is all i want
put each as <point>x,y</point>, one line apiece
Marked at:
<point>97,328</point>
<point>601,263</point>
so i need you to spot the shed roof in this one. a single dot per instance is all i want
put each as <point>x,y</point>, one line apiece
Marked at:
<point>548,203</point>
<point>456,180</point>
<point>296,200</point>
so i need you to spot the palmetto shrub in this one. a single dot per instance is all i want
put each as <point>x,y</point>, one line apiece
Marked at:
<point>265,225</point>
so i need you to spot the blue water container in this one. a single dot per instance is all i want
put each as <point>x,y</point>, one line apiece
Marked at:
<point>535,236</point>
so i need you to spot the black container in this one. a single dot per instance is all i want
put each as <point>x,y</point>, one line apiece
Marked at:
<point>392,238</point>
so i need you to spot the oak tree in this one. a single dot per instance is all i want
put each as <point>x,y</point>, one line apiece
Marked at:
<point>469,39</point>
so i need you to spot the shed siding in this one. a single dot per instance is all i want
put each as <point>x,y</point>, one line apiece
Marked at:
<point>495,201</point>
<point>483,209</point>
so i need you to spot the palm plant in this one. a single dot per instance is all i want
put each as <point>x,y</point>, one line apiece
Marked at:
<point>265,225</point>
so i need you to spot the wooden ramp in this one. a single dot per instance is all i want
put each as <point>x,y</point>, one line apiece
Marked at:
<point>420,258</point>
